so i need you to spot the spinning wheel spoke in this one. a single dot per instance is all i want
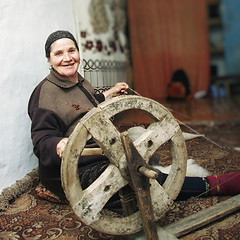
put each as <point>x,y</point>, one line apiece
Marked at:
<point>98,193</point>
<point>106,136</point>
<point>155,136</point>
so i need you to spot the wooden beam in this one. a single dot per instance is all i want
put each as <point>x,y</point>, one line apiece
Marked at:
<point>162,234</point>
<point>204,217</point>
<point>141,186</point>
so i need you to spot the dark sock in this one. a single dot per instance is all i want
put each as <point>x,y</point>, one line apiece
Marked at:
<point>192,186</point>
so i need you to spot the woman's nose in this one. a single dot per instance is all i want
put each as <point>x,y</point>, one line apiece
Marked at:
<point>66,56</point>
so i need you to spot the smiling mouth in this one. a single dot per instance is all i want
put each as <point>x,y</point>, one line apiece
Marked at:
<point>69,65</point>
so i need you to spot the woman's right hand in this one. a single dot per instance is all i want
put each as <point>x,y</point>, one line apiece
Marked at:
<point>61,146</point>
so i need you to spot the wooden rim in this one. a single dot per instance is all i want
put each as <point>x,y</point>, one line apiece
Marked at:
<point>88,203</point>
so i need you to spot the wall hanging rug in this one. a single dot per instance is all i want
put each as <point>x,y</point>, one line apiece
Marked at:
<point>30,217</point>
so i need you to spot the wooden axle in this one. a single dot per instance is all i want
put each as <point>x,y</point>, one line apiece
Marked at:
<point>98,151</point>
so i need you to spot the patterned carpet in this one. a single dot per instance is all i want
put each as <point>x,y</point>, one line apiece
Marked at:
<point>30,217</point>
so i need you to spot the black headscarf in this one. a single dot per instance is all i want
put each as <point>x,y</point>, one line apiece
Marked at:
<point>56,36</point>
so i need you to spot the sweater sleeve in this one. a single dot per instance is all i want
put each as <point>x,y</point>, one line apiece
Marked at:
<point>46,131</point>
<point>100,97</point>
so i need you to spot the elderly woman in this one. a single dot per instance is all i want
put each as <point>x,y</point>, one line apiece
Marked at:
<point>57,104</point>
<point>55,107</point>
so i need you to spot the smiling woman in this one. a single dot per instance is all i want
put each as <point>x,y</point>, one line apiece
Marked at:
<point>57,104</point>
<point>63,54</point>
<point>65,59</point>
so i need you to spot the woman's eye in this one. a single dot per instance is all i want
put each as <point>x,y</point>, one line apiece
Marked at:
<point>58,53</point>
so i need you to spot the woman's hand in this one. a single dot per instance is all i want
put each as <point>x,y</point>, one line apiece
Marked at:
<point>61,146</point>
<point>119,89</point>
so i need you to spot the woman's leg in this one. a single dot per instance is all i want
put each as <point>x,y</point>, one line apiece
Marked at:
<point>226,184</point>
<point>54,185</point>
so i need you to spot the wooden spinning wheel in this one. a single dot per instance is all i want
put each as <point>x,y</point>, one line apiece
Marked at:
<point>88,203</point>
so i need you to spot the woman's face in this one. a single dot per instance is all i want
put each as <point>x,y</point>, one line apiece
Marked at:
<point>64,57</point>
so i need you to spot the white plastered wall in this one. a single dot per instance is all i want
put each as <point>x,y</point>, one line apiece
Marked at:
<point>24,27</point>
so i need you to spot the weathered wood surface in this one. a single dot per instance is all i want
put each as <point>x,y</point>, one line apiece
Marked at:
<point>88,203</point>
<point>162,235</point>
<point>204,217</point>
<point>141,186</point>
<point>92,152</point>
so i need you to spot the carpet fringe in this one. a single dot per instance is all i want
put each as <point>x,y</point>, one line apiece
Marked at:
<point>19,187</point>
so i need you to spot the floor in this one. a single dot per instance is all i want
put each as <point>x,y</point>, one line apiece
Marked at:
<point>222,114</point>
<point>208,108</point>
<point>218,119</point>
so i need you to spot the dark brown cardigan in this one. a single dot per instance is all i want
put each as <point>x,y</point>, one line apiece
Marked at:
<point>55,107</point>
